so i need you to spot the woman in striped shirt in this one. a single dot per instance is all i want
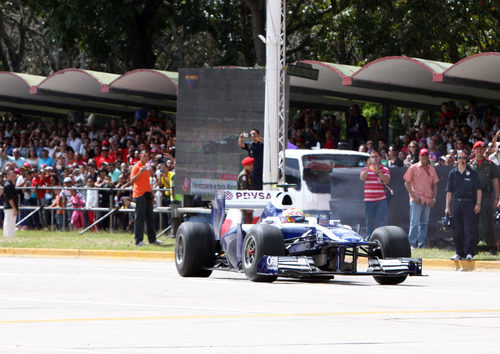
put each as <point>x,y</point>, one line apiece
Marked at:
<point>375,177</point>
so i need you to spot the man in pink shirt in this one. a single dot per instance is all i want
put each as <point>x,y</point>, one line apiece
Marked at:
<point>421,183</point>
<point>375,177</point>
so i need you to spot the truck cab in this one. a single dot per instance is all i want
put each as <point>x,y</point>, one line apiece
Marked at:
<point>310,171</point>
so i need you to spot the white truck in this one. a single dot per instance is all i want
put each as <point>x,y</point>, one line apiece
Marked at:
<point>310,171</point>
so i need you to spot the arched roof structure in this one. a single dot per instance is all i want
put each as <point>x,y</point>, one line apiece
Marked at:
<point>402,81</point>
<point>395,80</point>
<point>146,83</point>
<point>15,96</point>
<point>333,86</point>
<point>93,86</point>
<point>433,78</point>
<point>87,91</point>
<point>480,70</point>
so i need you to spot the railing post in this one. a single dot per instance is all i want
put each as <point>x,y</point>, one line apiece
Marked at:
<point>111,207</point>
<point>176,216</point>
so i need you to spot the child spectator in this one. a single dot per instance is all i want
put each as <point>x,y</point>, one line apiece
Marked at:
<point>58,203</point>
<point>77,217</point>
<point>126,218</point>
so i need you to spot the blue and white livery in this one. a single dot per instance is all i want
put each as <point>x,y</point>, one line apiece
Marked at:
<point>286,243</point>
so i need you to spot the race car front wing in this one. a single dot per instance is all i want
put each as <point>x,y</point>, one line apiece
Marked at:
<point>304,266</point>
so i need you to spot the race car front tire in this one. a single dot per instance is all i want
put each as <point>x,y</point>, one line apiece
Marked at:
<point>261,240</point>
<point>394,243</point>
<point>194,249</point>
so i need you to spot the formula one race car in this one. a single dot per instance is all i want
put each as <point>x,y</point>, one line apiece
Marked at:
<point>286,243</point>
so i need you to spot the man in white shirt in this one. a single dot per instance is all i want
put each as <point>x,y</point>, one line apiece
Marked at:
<point>91,201</point>
<point>74,141</point>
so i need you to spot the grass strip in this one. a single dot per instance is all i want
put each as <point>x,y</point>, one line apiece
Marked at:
<point>125,241</point>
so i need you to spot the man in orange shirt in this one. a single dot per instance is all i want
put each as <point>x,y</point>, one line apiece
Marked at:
<point>143,198</point>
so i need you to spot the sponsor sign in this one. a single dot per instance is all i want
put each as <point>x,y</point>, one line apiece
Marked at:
<point>249,199</point>
<point>237,195</point>
<point>210,186</point>
<point>303,70</point>
<point>268,265</point>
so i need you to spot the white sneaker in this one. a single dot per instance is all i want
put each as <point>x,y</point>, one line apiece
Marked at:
<point>456,258</point>
<point>469,257</point>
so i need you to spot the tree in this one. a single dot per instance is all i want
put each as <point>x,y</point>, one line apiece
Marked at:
<point>41,36</point>
<point>20,36</point>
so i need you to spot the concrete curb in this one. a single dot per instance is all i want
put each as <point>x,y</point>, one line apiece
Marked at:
<point>441,264</point>
<point>466,266</point>
<point>52,252</point>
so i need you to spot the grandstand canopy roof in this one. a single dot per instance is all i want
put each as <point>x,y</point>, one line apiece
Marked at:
<point>405,81</point>
<point>402,81</point>
<point>87,91</point>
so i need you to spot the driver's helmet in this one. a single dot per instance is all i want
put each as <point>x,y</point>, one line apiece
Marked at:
<point>292,215</point>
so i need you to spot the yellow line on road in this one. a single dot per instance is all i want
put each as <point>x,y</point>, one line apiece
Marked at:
<point>265,315</point>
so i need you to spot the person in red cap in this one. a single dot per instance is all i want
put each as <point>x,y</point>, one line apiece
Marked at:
<point>421,183</point>
<point>105,156</point>
<point>245,176</point>
<point>488,176</point>
<point>245,182</point>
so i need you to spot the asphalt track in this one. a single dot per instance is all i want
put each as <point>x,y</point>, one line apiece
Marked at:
<point>152,255</point>
<point>118,305</point>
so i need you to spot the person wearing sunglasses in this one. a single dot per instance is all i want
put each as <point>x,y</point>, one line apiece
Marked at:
<point>463,203</point>
<point>255,149</point>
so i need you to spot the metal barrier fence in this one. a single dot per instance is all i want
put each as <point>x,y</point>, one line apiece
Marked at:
<point>41,209</point>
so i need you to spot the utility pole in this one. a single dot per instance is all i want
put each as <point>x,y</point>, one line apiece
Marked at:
<point>275,100</point>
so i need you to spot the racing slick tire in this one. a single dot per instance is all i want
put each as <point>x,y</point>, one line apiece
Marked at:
<point>194,249</point>
<point>261,240</point>
<point>394,243</point>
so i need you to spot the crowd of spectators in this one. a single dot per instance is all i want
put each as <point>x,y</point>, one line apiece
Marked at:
<point>456,129</point>
<point>76,154</point>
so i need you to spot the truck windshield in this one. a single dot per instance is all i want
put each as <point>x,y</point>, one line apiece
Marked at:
<point>317,169</point>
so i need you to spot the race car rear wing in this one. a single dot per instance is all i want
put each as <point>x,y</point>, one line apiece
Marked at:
<point>236,199</point>
<point>248,199</point>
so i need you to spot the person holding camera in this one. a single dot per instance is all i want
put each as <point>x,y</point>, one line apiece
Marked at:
<point>421,183</point>
<point>255,149</point>
<point>463,202</point>
<point>375,177</point>
<point>143,198</point>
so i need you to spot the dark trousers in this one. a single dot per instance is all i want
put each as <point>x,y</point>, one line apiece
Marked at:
<point>486,224</point>
<point>144,214</point>
<point>33,221</point>
<point>464,227</point>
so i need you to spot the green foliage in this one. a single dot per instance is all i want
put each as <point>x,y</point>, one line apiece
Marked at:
<point>120,35</point>
<point>355,32</point>
<point>122,241</point>
<point>446,254</point>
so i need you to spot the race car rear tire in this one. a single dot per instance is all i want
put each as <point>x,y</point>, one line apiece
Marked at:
<point>261,240</point>
<point>394,243</point>
<point>194,249</point>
